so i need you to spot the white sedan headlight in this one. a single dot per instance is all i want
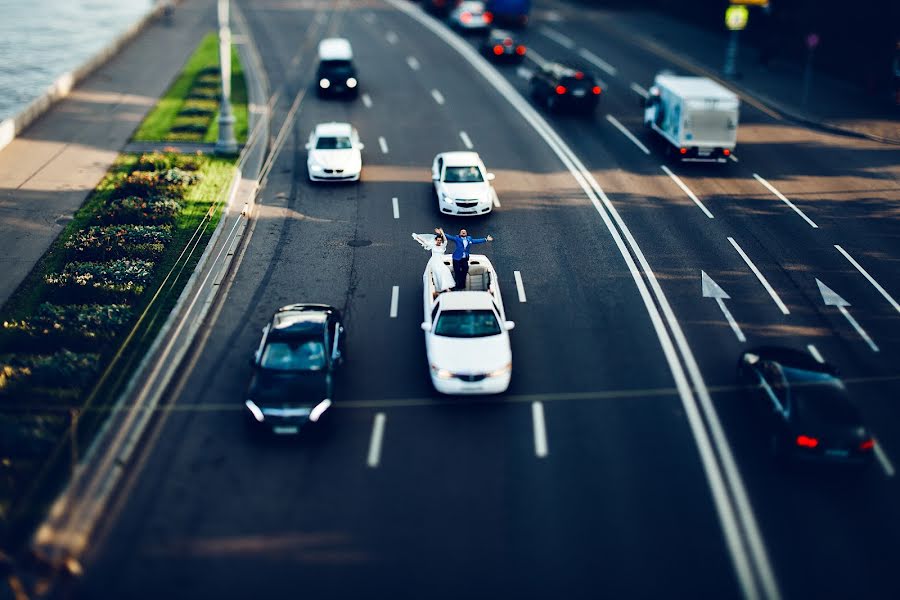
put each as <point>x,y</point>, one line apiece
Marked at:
<point>255,411</point>
<point>446,199</point>
<point>504,370</point>
<point>441,373</point>
<point>324,83</point>
<point>315,167</point>
<point>351,82</point>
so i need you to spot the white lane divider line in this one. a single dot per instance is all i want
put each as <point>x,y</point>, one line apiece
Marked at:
<point>628,134</point>
<point>536,58</point>
<point>494,198</point>
<point>734,158</point>
<point>520,287</point>
<point>687,191</point>
<point>374,458</point>
<point>540,430</point>
<point>367,100</point>
<point>563,40</point>
<point>598,62</point>
<point>815,354</point>
<point>871,279</point>
<point>391,37</point>
<point>383,143</point>
<point>639,90</point>
<point>765,283</point>
<point>438,96</point>
<point>413,63</point>
<point>465,140</point>
<point>396,206</point>
<point>781,197</point>
<point>883,460</point>
<point>395,299</point>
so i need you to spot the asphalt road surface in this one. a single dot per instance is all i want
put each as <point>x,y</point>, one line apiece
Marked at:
<point>621,462</point>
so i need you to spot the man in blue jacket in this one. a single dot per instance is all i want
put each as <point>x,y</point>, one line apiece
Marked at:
<point>461,255</point>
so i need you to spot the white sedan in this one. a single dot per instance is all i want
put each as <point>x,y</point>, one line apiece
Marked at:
<point>462,184</point>
<point>466,333</point>
<point>334,153</point>
<point>471,15</point>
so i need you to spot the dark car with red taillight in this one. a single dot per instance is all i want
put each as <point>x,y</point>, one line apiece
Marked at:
<point>501,46</point>
<point>806,405</point>
<point>560,87</point>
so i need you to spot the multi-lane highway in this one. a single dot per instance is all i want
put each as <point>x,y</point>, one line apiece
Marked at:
<point>622,462</point>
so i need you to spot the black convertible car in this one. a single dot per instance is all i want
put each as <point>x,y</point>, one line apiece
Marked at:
<point>294,366</point>
<point>810,412</point>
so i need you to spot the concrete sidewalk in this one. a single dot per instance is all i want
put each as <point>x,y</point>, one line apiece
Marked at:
<point>47,172</point>
<point>833,104</point>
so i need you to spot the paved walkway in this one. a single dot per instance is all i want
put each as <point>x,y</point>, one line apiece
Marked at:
<point>47,173</point>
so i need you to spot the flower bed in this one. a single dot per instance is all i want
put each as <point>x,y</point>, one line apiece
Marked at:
<point>138,210</point>
<point>63,369</point>
<point>148,241</point>
<point>122,275</point>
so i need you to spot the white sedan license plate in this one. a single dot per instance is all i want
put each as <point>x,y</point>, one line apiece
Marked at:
<point>285,430</point>
<point>578,93</point>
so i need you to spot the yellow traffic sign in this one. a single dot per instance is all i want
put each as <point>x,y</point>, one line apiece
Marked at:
<point>736,17</point>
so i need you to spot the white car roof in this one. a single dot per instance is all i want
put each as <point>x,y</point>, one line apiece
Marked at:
<point>333,129</point>
<point>471,5</point>
<point>460,159</point>
<point>335,49</point>
<point>466,300</point>
<point>695,87</point>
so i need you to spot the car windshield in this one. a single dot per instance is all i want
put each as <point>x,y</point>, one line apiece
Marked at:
<point>336,67</point>
<point>467,323</point>
<point>294,355</point>
<point>463,175</point>
<point>333,143</point>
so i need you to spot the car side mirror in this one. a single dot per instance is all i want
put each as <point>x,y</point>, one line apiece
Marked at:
<point>308,146</point>
<point>510,325</point>
<point>361,146</point>
<point>426,326</point>
<point>491,176</point>
<point>751,358</point>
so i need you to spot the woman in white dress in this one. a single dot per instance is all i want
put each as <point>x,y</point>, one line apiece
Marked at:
<point>437,245</point>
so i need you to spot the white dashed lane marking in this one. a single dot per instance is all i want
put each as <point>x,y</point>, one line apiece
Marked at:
<point>628,134</point>
<point>383,143</point>
<point>367,100</point>
<point>520,287</point>
<point>374,458</point>
<point>465,140</point>
<point>540,430</point>
<point>413,63</point>
<point>396,207</point>
<point>438,96</point>
<point>395,299</point>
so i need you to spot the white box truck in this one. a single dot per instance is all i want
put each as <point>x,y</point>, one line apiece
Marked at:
<point>697,117</point>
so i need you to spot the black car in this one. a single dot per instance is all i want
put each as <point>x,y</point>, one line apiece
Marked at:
<point>559,87</point>
<point>336,74</point>
<point>500,45</point>
<point>294,366</point>
<point>811,414</point>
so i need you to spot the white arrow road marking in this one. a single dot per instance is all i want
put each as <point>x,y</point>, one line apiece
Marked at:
<point>383,143</point>
<point>832,298</point>
<point>711,289</point>
<point>815,353</point>
<point>598,62</point>
<point>374,457</point>
<point>540,430</point>
<point>413,63</point>
<point>686,190</point>
<point>465,140</point>
<point>563,40</point>
<point>395,299</point>
<point>396,208</point>
<point>524,72</point>
<point>520,287</point>
<point>762,280</point>
<point>626,133</point>
<point>865,274</point>
<point>367,100</point>
<point>639,90</point>
<point>781,197</point>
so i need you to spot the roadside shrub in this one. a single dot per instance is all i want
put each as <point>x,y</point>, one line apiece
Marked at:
<point>88,321</point>
<point>145,184</point>
<point>163,161</point>
<point>179,177</point>
<point>120,240</point>
<point>63,369</point>
<point>123,275</point>
<point>133,209</point>
<point>204,93</point>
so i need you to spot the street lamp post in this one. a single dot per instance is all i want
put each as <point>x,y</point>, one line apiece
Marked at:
<point>226,144</point>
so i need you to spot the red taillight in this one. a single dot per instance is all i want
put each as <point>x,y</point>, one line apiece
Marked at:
<point>488,17</point>
<point>560,89</point>
<point>465,17</point>
<point>596,89</point>
<point>804,441</point>
<point>683,150</point>
<point>498,49</point>
<point>579,75</point>
<point>520,50</point>
<point>867,445</point>
<point>507,42</point>
<point>726,152</point>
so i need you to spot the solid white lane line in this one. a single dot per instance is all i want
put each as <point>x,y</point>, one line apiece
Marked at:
<point>396,208</point>
<point>465,140</point>
<point>374,458</point>
<point>626,133</point>
<point>639,90</point>
<point>494,198</point>
<point>862,332</point>
<point>686,190</point>
<point>413,63</point>
<point>395,299</point>
<point>735,515</point>
<point>598,62</point>
<point>781,197</point>
<point>367,100</point>
<point>871,279</point>
<point>383,143</point>
<point>815,353</point>
<point>520,287</point>
<point>883,460</point>
<point>438,97</point>
<point>765,283</point>
<point>540,430</point>
<point>563,40</point>
<point>391,37</point>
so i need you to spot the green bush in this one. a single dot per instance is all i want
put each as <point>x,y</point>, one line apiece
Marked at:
<point>163,161</point>
<point>87,321</point>
<point>122,275</point>
<point>145,184</point>
<point>204,94</point>
<point>120,240</point>
<point>64,369</point>
<point>133,209</point>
